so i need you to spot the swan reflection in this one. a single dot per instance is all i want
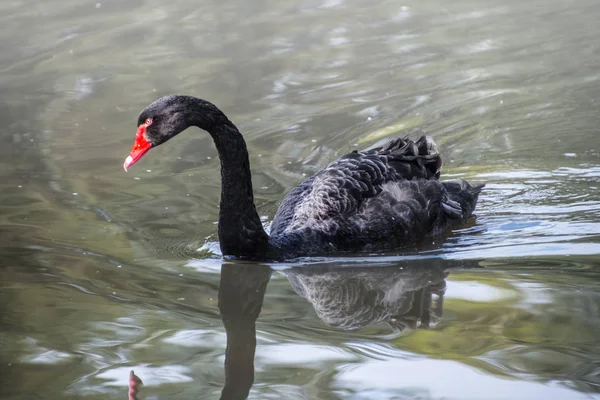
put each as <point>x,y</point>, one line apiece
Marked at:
<point>241,295</point>
<point>351,298</point>
<point>401,294</point>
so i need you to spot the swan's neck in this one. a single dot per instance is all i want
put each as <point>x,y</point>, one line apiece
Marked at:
<point>241,233</point>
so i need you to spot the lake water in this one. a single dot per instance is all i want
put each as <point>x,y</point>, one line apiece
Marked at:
<point>103,271</point>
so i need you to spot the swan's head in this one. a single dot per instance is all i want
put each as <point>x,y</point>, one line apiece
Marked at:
<point>167,117</point>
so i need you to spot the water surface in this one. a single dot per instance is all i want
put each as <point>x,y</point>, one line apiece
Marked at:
<point>100,269</point>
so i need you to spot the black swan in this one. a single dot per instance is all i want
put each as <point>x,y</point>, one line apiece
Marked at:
<point>376,199</point>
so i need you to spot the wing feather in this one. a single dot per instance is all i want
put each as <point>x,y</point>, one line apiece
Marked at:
<point>343,187</point>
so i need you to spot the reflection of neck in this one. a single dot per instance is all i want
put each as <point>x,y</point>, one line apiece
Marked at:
<point>241,295</point>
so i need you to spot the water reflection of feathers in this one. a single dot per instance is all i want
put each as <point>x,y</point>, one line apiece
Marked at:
<point>406,294</point>
<point>399,294</point>
<point>352,298</point>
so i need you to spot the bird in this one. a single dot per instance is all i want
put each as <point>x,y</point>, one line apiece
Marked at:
<point>378,199</point>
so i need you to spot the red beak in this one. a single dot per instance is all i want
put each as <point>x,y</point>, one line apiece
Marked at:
<point>140,147</point>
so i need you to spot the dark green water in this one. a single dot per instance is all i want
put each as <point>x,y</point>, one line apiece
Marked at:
<point>100,271</point>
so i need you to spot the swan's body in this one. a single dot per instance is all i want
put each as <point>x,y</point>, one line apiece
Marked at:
<point>377,199</point>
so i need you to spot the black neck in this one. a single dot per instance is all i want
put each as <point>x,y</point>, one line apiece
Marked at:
<point>240,231</point>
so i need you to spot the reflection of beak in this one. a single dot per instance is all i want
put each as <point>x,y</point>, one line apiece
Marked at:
<point>140,147</point>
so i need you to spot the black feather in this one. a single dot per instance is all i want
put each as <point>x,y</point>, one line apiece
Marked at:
<point>379,198</point>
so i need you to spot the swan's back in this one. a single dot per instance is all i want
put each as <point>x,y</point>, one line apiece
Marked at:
<point>379,198</point>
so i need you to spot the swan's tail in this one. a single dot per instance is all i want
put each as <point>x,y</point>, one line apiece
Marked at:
<point>413,159</point>
<point>462,199</point>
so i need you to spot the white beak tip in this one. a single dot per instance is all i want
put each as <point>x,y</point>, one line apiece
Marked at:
<point>127,162</point>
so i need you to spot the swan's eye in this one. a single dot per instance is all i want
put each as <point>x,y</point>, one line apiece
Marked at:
<point>148,121</point>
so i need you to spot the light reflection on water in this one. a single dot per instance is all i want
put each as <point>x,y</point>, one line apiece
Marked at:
<point>100,272</point>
